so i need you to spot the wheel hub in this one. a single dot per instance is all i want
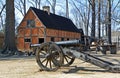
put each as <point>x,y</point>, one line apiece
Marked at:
<point>49,56</point>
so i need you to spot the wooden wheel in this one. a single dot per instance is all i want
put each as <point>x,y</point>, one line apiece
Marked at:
<point>49,56</point>
<point>67,59</point>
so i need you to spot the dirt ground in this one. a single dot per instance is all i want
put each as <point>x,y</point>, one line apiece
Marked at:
<point>26,67</point>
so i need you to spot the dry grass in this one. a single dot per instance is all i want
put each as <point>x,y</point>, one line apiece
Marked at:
<point>26,67</point>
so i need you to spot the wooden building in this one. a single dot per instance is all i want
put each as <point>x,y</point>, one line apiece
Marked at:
<point>40,26</point>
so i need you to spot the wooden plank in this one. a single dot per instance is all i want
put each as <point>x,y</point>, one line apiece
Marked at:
<point>27,32</point>
<point>34,32</point>
<point>27,46</point>
<point>20,44</point>
<point>34,40</point>
<point>21,32</point>
<point>96,60</point>
<point>113,58</point>
<point>41,32</point>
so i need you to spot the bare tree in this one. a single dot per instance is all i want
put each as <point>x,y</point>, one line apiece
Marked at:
<point>2,24</point>
<point>24,5</point>
<point>82,14</point>
<point>1,17</point>
<point>67,9</point>
<point>77,14</point>
<point>10,45</point>
<point>103,16</point>
<point>109,22</point>
<point>52,4</point>
<point>92,3</point>
<point>39,4</point>
<point>99,21</point>
<point>35,3</point>
<point>115,12</point>
<point>2,9</point>
<point>21,6</point>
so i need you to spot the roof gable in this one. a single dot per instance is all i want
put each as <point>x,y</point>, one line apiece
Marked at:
<point>54,21</point>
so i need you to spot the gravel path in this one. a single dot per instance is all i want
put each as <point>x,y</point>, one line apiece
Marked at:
<point>26,67</point>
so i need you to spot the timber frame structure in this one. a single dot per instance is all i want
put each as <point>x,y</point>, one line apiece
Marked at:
<point>39,26</point>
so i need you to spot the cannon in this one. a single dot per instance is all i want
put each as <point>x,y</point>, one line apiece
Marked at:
<point>52,55</point>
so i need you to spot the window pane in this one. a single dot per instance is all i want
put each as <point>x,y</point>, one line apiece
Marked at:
<point>62,39</point>
<point>52,39</point>
<point>67,38</point>
<point>30,23</point>
<point>27,40</point>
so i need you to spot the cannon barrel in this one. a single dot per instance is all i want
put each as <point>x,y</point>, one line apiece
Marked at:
<point>63,43</point>
<point>70,42</point>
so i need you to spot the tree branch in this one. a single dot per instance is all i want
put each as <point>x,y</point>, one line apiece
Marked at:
<point>116,5</point>
<point>2,8</point>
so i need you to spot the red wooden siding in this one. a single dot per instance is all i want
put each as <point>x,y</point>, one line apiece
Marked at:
<point>39,32</point>
<point>21,43</point>
<point>34,40</point>
<point>27,32</point>
<point>21,32</point>
<point>27,46</point>
<point>34,32</point>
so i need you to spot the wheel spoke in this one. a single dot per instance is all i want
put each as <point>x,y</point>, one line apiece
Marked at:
<point>66,59</point>
<point>46,63</point>
<point>42,56</point>
<point>42,53</point>
<point>55,51</point>
<point>50,64</point>
<point>44,60</point>
<point>55,62</point>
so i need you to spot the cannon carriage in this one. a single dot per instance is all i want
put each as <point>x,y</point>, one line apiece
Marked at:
<point>52,55</point>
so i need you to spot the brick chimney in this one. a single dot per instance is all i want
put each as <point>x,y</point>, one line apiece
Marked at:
<point>47,9</point>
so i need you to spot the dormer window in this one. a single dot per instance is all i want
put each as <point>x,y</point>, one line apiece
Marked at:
<point>31,23</point>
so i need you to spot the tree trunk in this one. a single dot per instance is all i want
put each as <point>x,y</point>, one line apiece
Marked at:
<point>99,28</point>
<point>39,3</point>
<point>10,45</point>
<point>2,9</point>
<point>24,5</point>
<point>88,17</point>
<point>109,22</point>
<point>93,19</point>
<point>2,25</point>
<point>67,9</point>
<point>53,6</point>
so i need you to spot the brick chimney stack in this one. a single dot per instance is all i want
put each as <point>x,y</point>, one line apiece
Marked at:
<point>47,9</point>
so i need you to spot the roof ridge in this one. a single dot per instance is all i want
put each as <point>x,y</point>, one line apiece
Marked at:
<point>50,13</point>
<point>55,21</point>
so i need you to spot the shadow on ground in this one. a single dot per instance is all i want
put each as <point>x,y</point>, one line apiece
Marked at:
<point>86,69</point>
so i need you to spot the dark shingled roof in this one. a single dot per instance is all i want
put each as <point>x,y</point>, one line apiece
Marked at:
<point>55,21</point>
